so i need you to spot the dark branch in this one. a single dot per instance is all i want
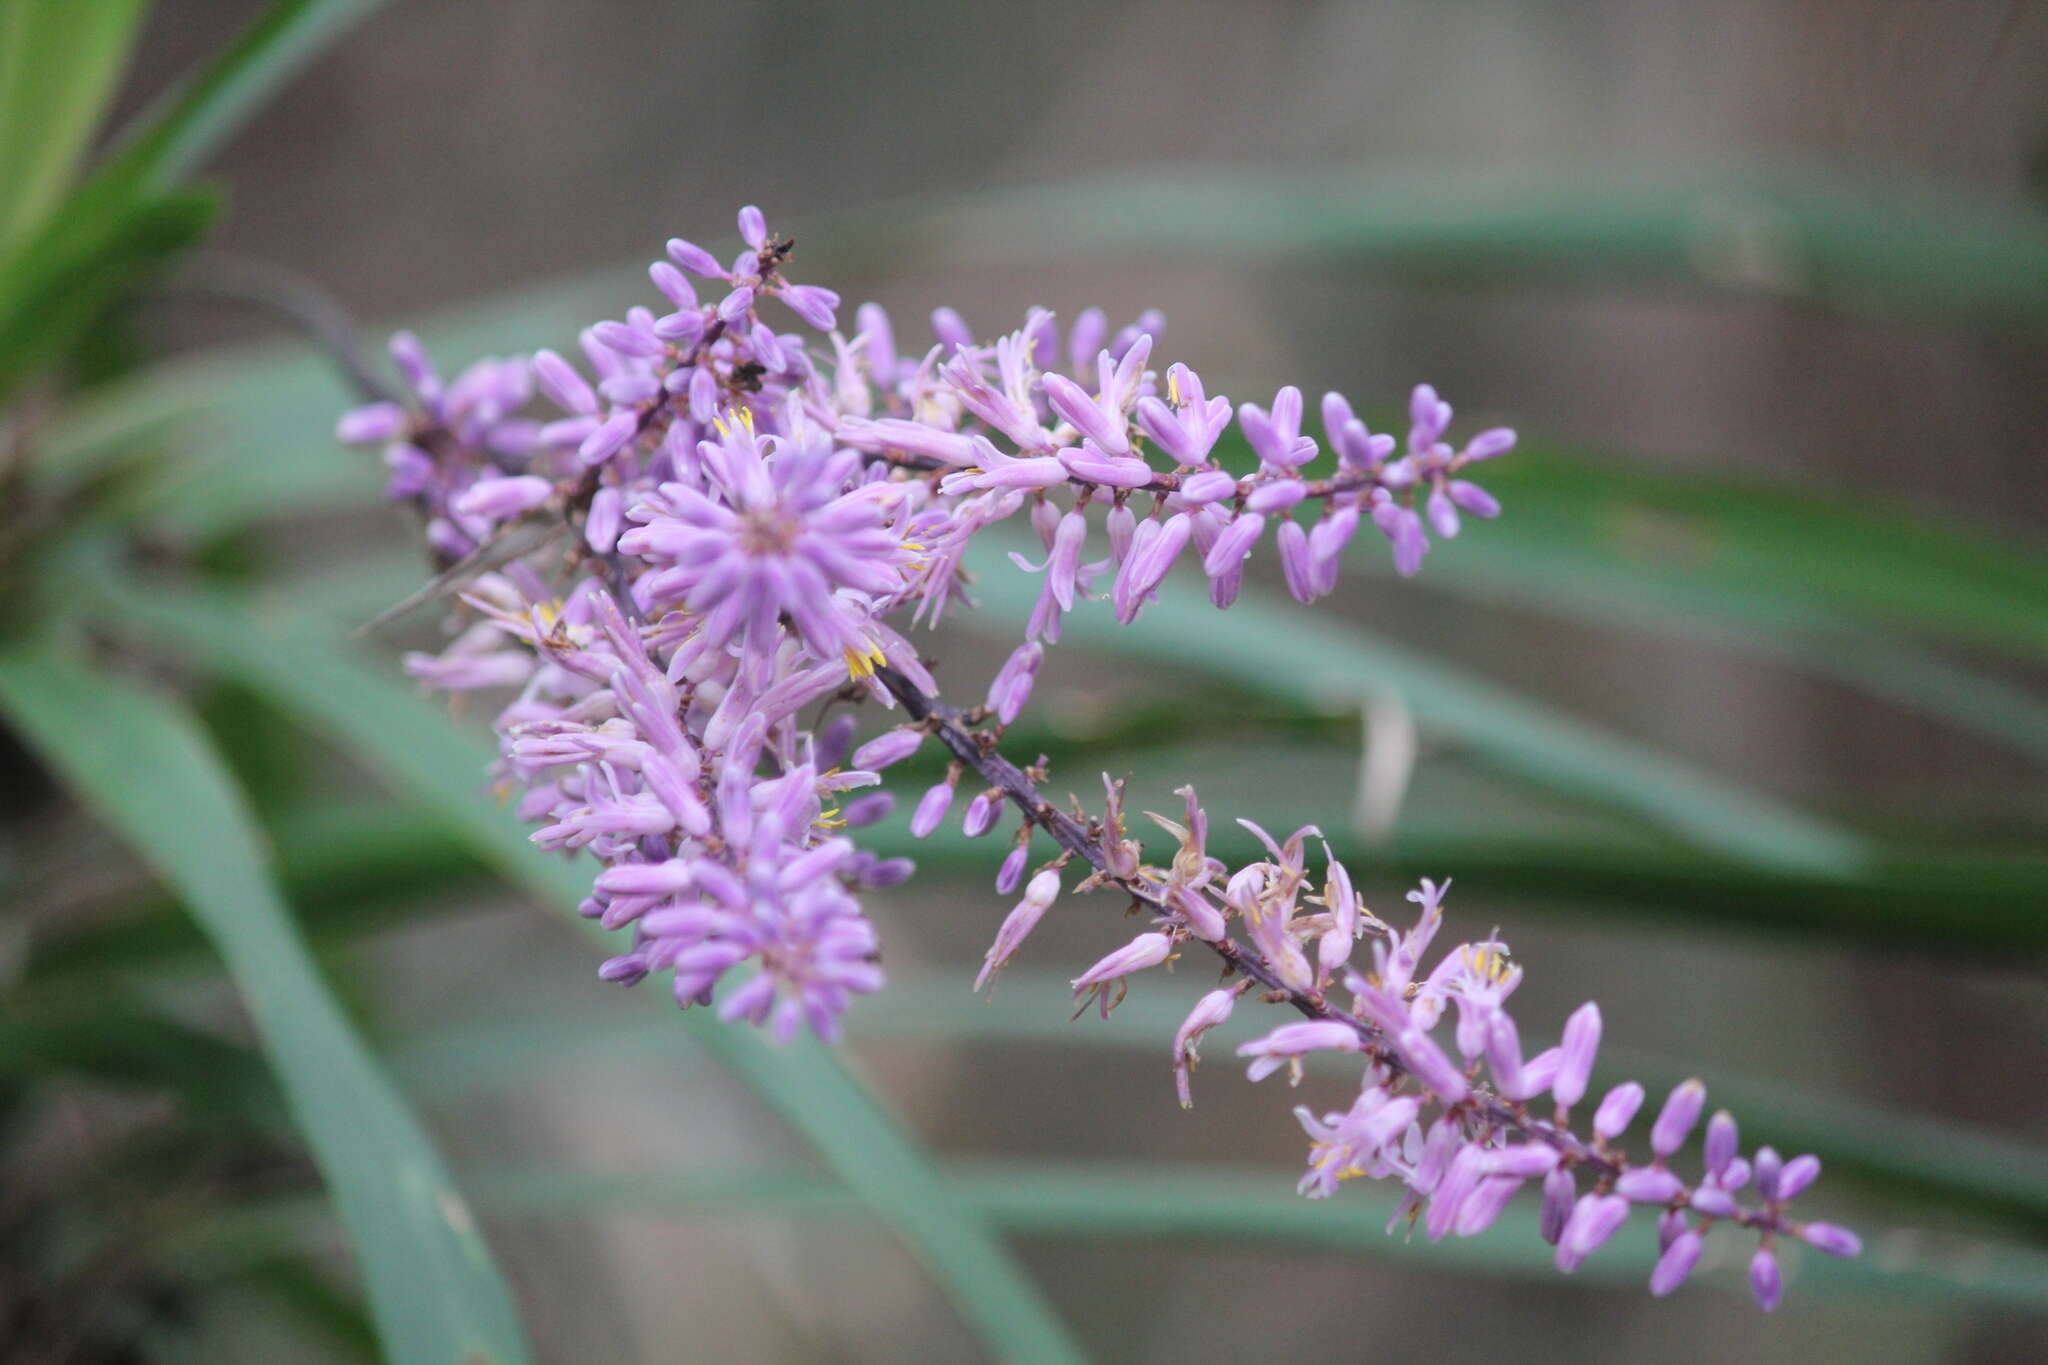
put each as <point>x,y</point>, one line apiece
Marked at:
<point>978,751</point>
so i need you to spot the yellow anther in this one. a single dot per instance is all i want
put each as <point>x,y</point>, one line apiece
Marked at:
<point>862,663</point>
<point>1173,387</point>
<point>1490,966</point>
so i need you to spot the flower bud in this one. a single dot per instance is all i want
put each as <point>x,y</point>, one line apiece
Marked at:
<point>1831,1238</point>
<point>1681,1111</point>
<point>887,750</point>
<point>981,816</point>
<point>931,808</point>
<point>1764,1280</point>
<point>1612,1118</point>
<point>1580,1045</point>
<point>1648,1185</point>
<point>1721,1143</point>
<point>1018,924</point>
<point>1676,1263</point>
<point>1799,1173</point>
<point>1560,1190</point>
<point>1594,1219</point>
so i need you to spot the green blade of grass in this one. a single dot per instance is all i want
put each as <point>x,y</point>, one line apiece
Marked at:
<point>349,869</point>
<point>1747,551</point>
<point>1176,1206</point>
<point>111,1038</point>
<point>422,754</point>
<point>59,63</point>
<point>1958,1166</point>
<point>64,280</point>
<point>142,764</point>
<point>1326,662</point>
<point>86,256</point>
<point>167,142</point>
<point>1919,253</point>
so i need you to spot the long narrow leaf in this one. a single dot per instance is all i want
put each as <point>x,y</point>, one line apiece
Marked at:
<point>142,764</point>
<point>64,280</point>
<point>168,141</point>
<point>1915,253</point>
<point>1184,1205</point>
<point>1279,649</point>
<point>1755,552</point>
<point>423,755</point>
<point>59,62</point>
<point>1974,903</point>
<point>83,257</point>
<point>1958,1165</point>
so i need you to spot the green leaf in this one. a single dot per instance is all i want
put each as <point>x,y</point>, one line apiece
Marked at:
<point>1772,557</point>
<point>168,141</point>
<point>127,219</point>
<point>349,869</point>
<point>59,63</point>
<point>113,1039</point>
<point>65,279</point>
<point>1329,663</point>
<point>1967,902</point>
<point>142,764</point>
<point>1815,580</point>
<point>1176,1205</point>
<point>423,755</point>
<point>1920,253</point>
<point>1955,1165</point>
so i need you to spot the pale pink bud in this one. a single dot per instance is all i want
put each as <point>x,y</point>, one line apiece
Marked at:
<point>1017,926</point>
<point>1211,1010</point>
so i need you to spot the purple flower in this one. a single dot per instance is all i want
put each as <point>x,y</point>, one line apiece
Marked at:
<point>1211,1010</point>
<point>1276,436</point>
<point>749,517</point>
<point>1189,423</point>
<point>1288,1044</point>
<point>1676,1263</point>
<point>1764,1280</point>
<point>1681,1111</point>
<point>1017,926</point>
<point>1146,950</point>
<point>779,544</point>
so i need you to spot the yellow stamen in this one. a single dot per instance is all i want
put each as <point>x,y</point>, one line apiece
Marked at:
<point>1173,387</point>
<point>862,663</point>
<point>1487,965</point>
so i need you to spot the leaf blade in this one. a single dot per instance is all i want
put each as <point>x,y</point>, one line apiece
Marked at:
<point>1327,662</point>
<point>437,1296</point>
<point>1918,253</point>
<point>422,754</point>
<point>59,63</point>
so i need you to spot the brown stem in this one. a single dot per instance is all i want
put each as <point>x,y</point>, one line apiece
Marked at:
<point>978,751</point>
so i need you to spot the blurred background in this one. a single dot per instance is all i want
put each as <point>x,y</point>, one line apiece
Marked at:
<point>1734,721</point>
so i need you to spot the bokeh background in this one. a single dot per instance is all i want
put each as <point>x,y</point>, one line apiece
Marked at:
<point>1595,222</point>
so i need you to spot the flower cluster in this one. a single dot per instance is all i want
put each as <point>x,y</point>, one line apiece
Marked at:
<point>692,573</point>
<point>1455,1126</point>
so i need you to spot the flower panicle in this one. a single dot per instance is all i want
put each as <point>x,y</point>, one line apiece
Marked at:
<point>690,547</point>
